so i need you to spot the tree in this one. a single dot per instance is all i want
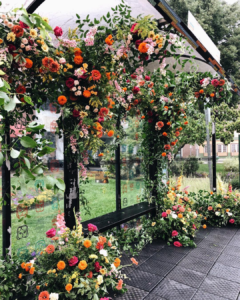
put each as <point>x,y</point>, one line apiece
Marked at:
<point>221,22</point>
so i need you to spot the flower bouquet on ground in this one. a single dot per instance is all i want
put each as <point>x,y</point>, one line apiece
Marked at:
<point>178,221</point>
<point>76,267</point>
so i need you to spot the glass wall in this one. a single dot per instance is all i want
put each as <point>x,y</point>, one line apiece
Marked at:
<point>131,163</point>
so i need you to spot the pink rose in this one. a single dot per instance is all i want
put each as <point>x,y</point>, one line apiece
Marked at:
<point>58,31</point>
<point>73,261</point>
<point>147,77</point>
<point>51,233</point>
<point>174,207</point>
<point>135,90</point>
<point>92,227</point>
<point>174,233</point>
<point>133,27</point>
<point>70,82</point>
<point>177,244</point>
<point>101,119</point>
<point>128,81</point>
<point>215,82</point>
<point>181,209</point>
<point>164,214</point>
<point>62,60</point>
<point>232,221</point>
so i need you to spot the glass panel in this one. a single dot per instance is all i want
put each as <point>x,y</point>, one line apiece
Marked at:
<point>132,178</point>
<point>8,5</point>
<point>100,190</point>
<point>29,233</point>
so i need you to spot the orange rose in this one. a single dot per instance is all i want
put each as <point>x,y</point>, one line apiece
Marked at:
<point>117,262</point>
<point>32,271</point>
<point>180,216</point>
<point>44,296</point>
<point>109,40</point>
<point>78,59</point>
<point>82,265</point>
<point>23,265</point>
<point>77,51</point>
<point>164,134</point>
<point>20,276</point>
<point>164,154</point>
<point>201,91</point>
<point>29,63</point>
<point>68,287</point>
<point>87,94</point>
<point>204,226</point>
<point>61,265</point>
<point>62,100</point>
<point>87,244</point>
<point>18,31</point>
<point>142,117</point>
<point>143,48</point>
<point>50,249</point>
<point>110,133</point>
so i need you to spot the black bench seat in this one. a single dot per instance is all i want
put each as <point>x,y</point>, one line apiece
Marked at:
<point>119,217</point>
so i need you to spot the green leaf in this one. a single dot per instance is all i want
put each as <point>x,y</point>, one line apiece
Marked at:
<point>46,25</point>
<point>2,73</point>
<point>14,153</point>
<point>50,182</point>
<point>25,19</point>
<point>27,175</point>
<point>28,100</point>
<point>37,170</point>
<point>28,142</point>
<point>10,104</point>
<point>27,162</point>
<point>60,184</point>
<point>1,159</point>
<point>46,150</point>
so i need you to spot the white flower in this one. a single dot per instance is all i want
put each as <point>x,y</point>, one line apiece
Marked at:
<point>78,93</point>
<point>229,213</point>
<point>114,269</point>
<point>3,16</point>
<point>28,48</point>
<point>217,213</point>
<point>129,37</point>
<point>22,46</point>
<point>32,261</point>
<point>76,82</point>
<point>61,243</point>
<point>79,87</point>
<point>74,89</point>
<point>10,25</point>
<point>95,110</point>
<point>54,296</point>
<point>62,60</point>
<point>87,107</point>
<point>103,252</point>
<point>174,216</point>
<point>99,279</point>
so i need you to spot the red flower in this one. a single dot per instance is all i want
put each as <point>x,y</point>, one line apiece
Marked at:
<point>97,266</point>
<point>137,43</point>
<point>43,296</point>
<point>76,113</point>
<point>133,76</point>
<point>21,89</point>
<point>150,120</point>
<point>90,275</point>
<point>135,90</point>
<point>197,94</point>
<point>51,233</point>
<point>147,78</point>
<point>23,25</point>
<point>96,75</point>
<point>177,244</point>
<point>73,261</point>
<point>103,112</point>
<point>99,246</point>
<point>164,214</point>
<point>232,221</point>
<point>174,233</point>
<point>92,227</point>
<point>167,147</point>
<point>215,82</point>
<point>70,83</point>
<point>132,30</point>
<point>58,31</point>
<point>11,48</point>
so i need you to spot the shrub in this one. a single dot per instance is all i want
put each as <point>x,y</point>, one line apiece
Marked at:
<point>231,165</point>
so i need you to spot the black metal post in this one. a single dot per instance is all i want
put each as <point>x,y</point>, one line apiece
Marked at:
<point>71,194</point>
<point>239,157</point>
<point>34,5</point>
<point>214,162</point>
<point>118,173</point>
<point>6,195</point>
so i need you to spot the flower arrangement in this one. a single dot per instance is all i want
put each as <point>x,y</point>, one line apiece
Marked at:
<point>214,89</point>
<point>76,265</point>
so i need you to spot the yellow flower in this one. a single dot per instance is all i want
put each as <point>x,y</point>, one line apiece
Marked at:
<point>49,271</point>
<point>83,114</point>
<point>151,35</point>
<point>96,286</point>
<point>74,276</point>
<point>33,33</point>
<point>81,134</point>
<point>11,37</point>
<point>93,256</point>
<point>102,271</point>
<point>219,206</point>
<point>45,48</point>
<point>153,223</point>
<point>40,36</point>
<point>54,271</point>
<point>45,19</point>
<point>85,66</point>
<point>65,70</point>
<point>106,261</point>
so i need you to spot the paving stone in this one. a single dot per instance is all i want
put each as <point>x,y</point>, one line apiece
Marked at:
<point>156,267</point>
<point>131,294</point>
<point>158,242</point>
<point>206,296</point>
<point>168,256</point>
<point>153,297</point>
<point>181,250</point>
<point>224,231</point>
<point>125,260</point>
<point>229,260</point>
<point>220,287</point>
<point>225,272</point>
<point>186,276</point>
<point>218,239</point>
<point>235,241</point>
<point>149,251</point>
<point>143,280</point>
<point>208,244</point>
<point>202,253</point>
<point>197,264</point>
<point>173,290</point>
<point>232,250</point>
<point>197,240</point>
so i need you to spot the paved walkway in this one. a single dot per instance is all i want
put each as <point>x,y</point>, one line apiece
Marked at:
<point>209,272</point>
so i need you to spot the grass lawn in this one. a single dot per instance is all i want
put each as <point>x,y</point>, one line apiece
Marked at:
<point>204,168</point>
<point>101,199</point>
